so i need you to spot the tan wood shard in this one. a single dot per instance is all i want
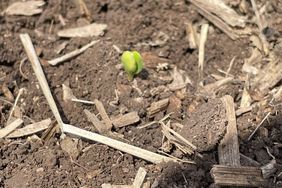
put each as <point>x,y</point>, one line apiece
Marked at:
<point>237,176</point>
<point>157,107</point>
<point>228,149</point>
<point>126,119</point>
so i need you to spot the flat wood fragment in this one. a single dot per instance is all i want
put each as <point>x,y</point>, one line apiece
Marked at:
<point>216,21</point>
<point>139,178</point>
<point>27,8</point>
<point>126,119</point>
<point>157,107</point>
<point>211,89</point>
<point>228,149</point>
<point>221,10</point>
<point>91,30</point>
<point>30,129</point>
<point>268,77</point>
<point>100,126</point>
<point>237,176</point>
<point>10,127</point>
<point>102,111</point>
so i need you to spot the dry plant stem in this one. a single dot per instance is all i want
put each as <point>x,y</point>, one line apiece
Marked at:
<point>250,137</point>
<point>72,54</point>
<point>10,128</point>
<point>133,150</point>
<point>213,87</point>
<point>250,160</point>
<point>29,48</point>
<point>259,21</point>
<point>243,110</point>
<point>192,36</point>
<point>139,178</point>
<point>203,39</point>
<point>107,185</point>
<point>15,104</point>
<point>178,136</point>
<point>82,101</point>
<point>230,66</point>
<point>216,21</point>
<point>228,149</point>
<point>261,27</point>
<point>84,8</point>
<point>21,70</point>
<point>30,129</point>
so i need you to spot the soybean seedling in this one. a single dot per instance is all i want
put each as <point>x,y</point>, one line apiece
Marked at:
<point>132,63</point>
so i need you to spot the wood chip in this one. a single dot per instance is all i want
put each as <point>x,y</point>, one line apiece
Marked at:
<point>92,30</point>
<point>99,125</point>
<point>237,176</point>
<point>269,76</point>
<point>157,107</point>
<point>102,111</point>
<point>27,8</point>
<point>126,119</point>
<point>10,128</point>
<point>228,149</point>
<point>212,88</point>
<point>139,178</point>
<point>30,129</point>
<point>224,12</point>
<point>215,20</point>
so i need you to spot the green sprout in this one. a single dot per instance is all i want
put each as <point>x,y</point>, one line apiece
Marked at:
<point>132,63</point>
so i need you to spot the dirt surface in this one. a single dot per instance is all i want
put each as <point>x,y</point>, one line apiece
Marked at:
<point>206,126</point>
<point>158,30</point>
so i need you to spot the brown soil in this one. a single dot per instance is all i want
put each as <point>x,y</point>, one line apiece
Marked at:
<point>95,74</point>
<point>206,126</point>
